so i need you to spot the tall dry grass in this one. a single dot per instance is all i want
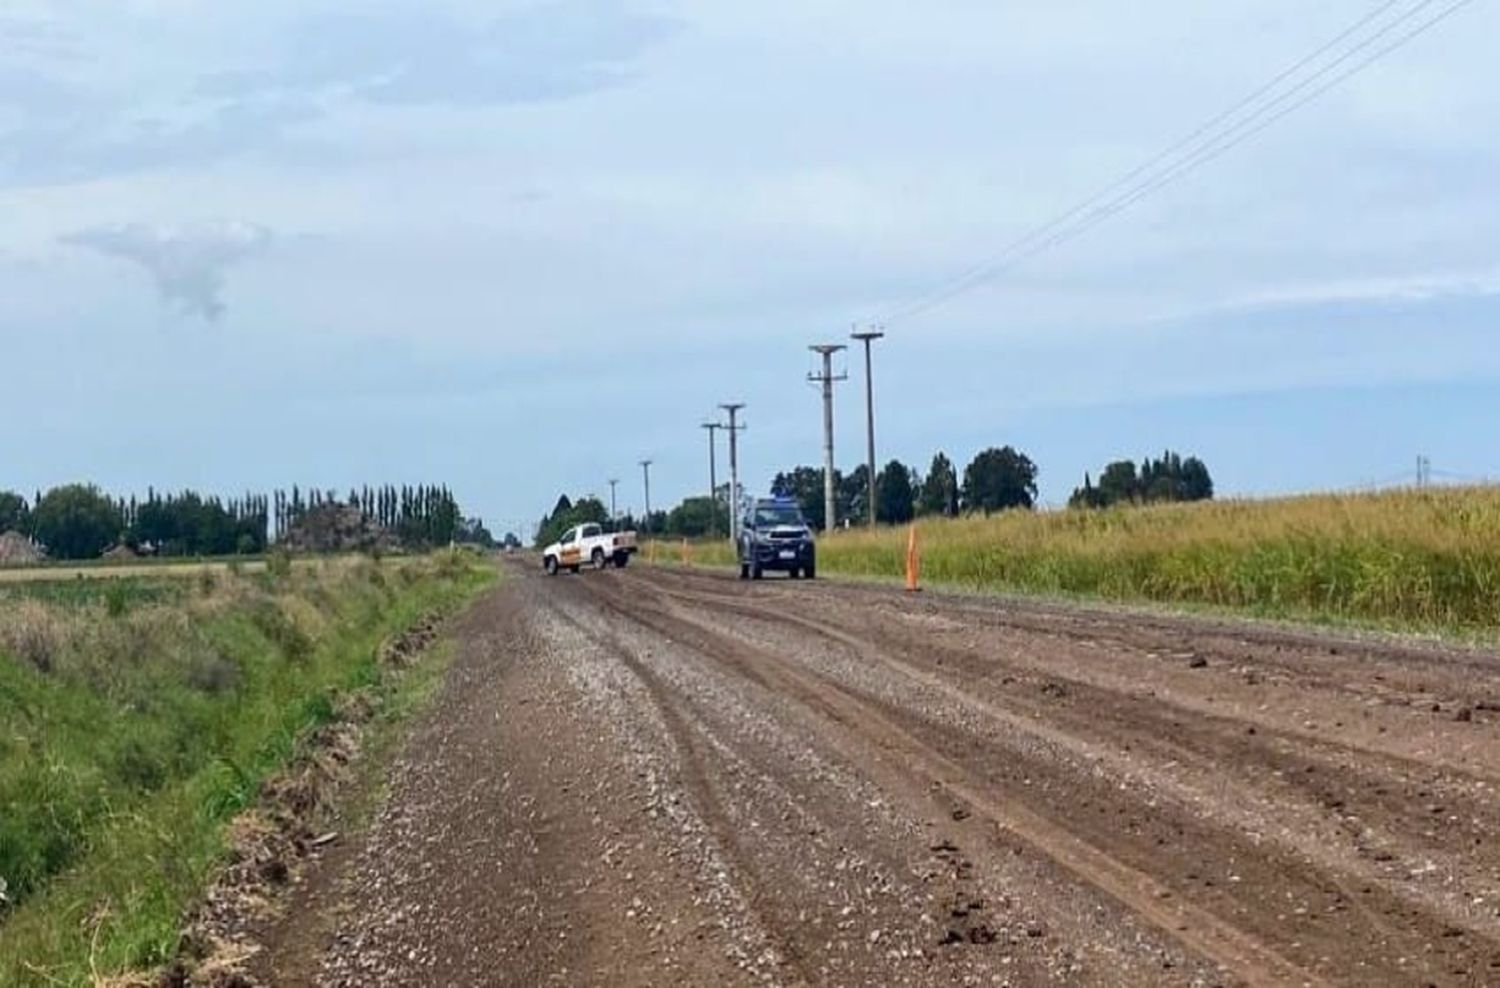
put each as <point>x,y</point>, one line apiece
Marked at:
<point>1414,558</point>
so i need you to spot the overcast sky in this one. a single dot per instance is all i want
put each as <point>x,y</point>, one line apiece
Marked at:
<point>517,247</point>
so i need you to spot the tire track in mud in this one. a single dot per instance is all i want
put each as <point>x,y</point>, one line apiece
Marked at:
<point>697,781</point>
<point>669,603</point>
<point>940,930</point>
<point>1305,768</point>
<point>1203,933</point>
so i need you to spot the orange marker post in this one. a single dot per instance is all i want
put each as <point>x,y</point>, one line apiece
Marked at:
<point>913,561</point>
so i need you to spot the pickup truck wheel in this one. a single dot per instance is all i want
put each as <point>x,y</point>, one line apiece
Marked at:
<point>794,573</point>
<point>744,572</point>
<point>622,559</point>
<point>756,573</point>
<point>550,565</point>
<point>599,559</point>
<point>810,572</point>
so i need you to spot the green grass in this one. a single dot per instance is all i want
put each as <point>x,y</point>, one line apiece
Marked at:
<point>131,733</point>
<point>1418,560</point>
<point>123,592</point>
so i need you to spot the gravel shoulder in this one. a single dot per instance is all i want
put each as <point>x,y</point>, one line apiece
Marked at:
<point>652,776</point>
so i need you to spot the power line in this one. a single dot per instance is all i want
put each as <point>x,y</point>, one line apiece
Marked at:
<point>1167,152</point>
<point>1215,142</point>
<point>1210,153</point>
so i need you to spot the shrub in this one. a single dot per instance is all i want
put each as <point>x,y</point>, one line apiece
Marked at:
<point>279,563</point>
<point>116,599</point>
<point>31,633</point>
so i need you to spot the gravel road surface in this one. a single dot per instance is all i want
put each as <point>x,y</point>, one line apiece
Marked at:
<point>671,777</point>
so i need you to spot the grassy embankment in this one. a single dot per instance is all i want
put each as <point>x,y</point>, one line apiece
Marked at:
<point>1412,559</point>
<point>138,716</point>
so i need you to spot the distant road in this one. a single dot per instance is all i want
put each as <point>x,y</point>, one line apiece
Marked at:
<point>656,776</point>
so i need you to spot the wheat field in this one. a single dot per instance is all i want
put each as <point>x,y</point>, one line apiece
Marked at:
<point>1428,558</point>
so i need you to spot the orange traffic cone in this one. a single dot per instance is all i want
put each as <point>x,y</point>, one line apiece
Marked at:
<point>913,561</point>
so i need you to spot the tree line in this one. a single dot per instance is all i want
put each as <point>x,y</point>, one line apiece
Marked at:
<point>1167,478</point>
<point>80,521</point>
<point>996,479</point>
<point>425,514</point>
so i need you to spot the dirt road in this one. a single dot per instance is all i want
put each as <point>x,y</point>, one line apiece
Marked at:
<point>657,777</point>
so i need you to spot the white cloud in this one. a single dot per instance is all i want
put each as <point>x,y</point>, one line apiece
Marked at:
<point>189,264</point>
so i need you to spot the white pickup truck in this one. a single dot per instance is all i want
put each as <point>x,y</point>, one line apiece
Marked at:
<point>588,545</point>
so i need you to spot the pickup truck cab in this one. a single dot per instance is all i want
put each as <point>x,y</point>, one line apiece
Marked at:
<point>588,545</point>
<point>775,536</point>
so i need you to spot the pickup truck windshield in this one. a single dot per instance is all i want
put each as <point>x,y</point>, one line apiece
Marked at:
<point>771,515</point>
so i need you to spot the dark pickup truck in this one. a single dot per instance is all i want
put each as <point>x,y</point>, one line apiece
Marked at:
<point>775,536</point>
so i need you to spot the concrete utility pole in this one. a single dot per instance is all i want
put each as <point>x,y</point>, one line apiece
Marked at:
<point>646,473</point>
<point>713,479</point>
<point>867,337</point>
<point>614,515</point>
<point>827,378</point>
<point>733,408</point>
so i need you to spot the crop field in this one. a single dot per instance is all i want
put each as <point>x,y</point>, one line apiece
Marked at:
<point>52,573</point>
<point>1417,559</point>
<point>142,712</point>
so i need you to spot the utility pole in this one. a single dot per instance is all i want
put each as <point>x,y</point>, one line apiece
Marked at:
<point>646,473</point>
<point>827,379</point>
<point>733,408</point>
<point>614,515</point>
<point>713,480</point>
<point>1424,472</point>
<point>868,337</point>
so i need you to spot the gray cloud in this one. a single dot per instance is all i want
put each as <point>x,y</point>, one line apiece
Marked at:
<point>189,264</point>
<point>549,51</point>
<point>64,127</point>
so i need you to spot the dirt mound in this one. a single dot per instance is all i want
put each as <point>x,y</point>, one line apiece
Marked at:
<point>17,550</point>
<point>337,528</point>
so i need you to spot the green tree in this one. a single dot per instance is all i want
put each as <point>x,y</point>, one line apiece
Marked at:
<point>895,498</point>
<point>693,517</point>
<point>1119,483</point>
<point>1169,478</point>
<point>15,514</point>
<point>852,495</point>
<point>1196,484</point>
<point>76,521</point>
<point>998,479</point>
<point>471,531</point>
<point>1087,496</point>
<point>939,493</point>
<point>569,513</point>
<point>805,486</point>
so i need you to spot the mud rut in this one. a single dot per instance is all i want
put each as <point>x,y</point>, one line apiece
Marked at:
<point>657,776</point>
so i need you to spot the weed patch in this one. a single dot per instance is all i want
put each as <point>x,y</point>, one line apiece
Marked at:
<point>134,731</point>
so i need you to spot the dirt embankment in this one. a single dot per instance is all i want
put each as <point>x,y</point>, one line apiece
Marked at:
<point>17,550</point>
<point>650,777</point>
